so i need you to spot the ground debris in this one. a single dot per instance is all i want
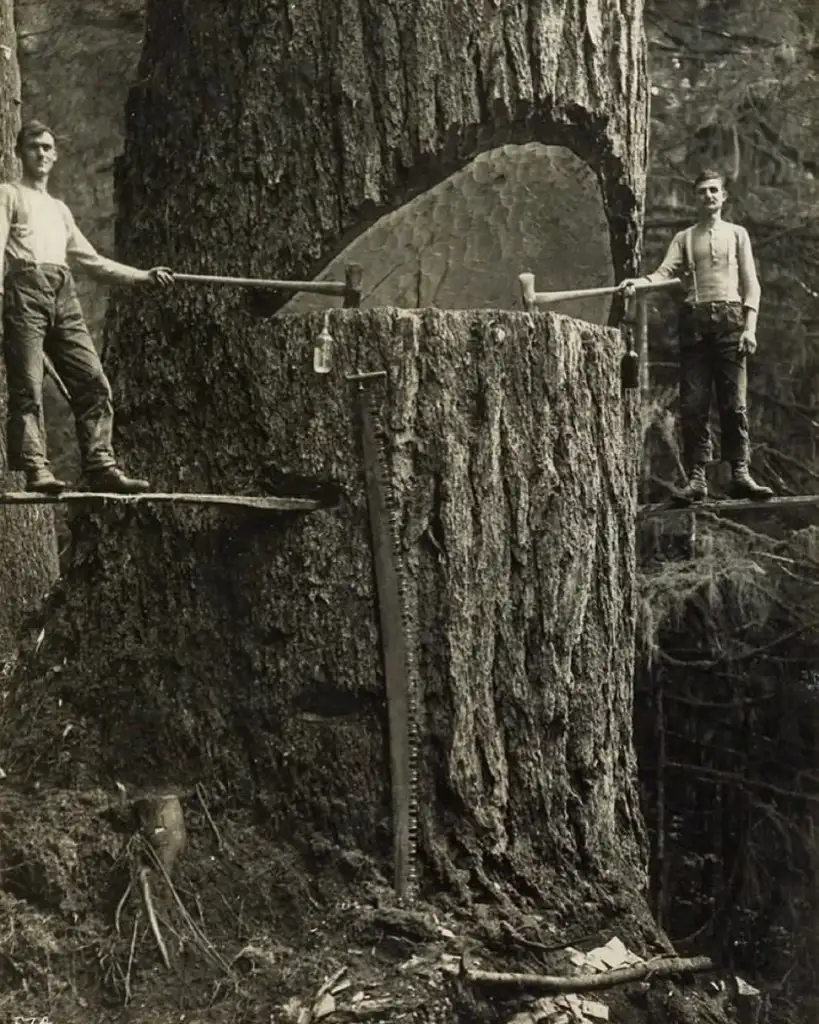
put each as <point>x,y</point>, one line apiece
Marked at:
<point>613,956</point>
<point>330,959</point>
<point>748,1001</point>
<point>562,1009</point>
<point>386,1008</point>
<point>419,926</point>
<point>324,1006</point>
<point>604,967</point>
<point>331,981</point>
<point>255,954</point>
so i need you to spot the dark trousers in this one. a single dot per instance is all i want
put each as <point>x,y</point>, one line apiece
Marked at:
<point>41,313</point>
<point>710,358</point>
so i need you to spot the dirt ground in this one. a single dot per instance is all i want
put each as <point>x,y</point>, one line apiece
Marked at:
<point>258,931</point>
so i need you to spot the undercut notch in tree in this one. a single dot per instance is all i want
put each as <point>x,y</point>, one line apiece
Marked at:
<point>372,107</point>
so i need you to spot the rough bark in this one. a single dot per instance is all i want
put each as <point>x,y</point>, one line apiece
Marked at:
<point>28,556</point>
<point>244,649</point>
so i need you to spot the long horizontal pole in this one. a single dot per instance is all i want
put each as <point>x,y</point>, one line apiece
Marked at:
<point>532,298</point>
<point>668,508</point>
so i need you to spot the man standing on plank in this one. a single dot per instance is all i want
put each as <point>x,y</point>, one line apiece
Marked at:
<point>717,331</point>
<point>41,313</point>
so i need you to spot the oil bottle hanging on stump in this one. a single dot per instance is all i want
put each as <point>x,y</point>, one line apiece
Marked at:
<point>322,353</point>
<point>630,369</point>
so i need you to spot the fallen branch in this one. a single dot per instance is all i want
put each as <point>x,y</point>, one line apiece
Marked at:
<point>200,794</point>
<point>131,959</point>
<point>199,936</point>
<point>121,904</point>
<point>664,968</point>
<point>145,886</point>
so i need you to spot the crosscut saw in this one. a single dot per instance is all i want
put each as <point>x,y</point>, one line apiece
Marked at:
<point>397,650</point>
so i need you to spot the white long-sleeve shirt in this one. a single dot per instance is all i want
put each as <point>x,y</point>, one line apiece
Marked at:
<point>716,263</point>
<point>37,228</point>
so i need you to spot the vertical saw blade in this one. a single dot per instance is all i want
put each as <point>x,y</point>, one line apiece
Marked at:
<point>396,640</point>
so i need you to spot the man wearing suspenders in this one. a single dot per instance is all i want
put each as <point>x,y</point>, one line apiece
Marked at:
<point>41,312</point>
<point>717,331</point>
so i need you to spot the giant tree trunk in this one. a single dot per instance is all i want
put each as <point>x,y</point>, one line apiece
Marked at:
<point>283,130</point>
<point>244,648</point>
<point>28,555</point>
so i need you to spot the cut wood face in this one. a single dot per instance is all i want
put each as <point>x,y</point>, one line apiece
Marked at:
<point>462,244</point>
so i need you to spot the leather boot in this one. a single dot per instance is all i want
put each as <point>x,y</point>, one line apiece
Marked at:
<point>111,480</point>
<point>697,487</point>
<point>42,481</point>
<point>743,484</point>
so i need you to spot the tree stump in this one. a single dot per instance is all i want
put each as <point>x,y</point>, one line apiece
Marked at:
<point>243,647</point>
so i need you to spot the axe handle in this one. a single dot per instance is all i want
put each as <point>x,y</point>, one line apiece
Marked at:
<point>532,298</point>
<point>317,287</point>
<point>349,289</point>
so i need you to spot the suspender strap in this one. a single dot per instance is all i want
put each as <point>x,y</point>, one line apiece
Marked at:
<point>688,245</point>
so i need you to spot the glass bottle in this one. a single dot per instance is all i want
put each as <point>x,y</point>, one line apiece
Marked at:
<point>322,353</point>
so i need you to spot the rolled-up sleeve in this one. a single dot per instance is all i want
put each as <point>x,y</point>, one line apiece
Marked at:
<point>674,263</point>
<point>749,286</point>
<point>81,253</point>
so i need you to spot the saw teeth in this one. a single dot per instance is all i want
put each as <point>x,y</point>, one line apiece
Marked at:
<point>370,409</point>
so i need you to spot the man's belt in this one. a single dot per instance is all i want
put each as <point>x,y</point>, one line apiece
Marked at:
<point>715,303</point>
<point>18,266</point>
